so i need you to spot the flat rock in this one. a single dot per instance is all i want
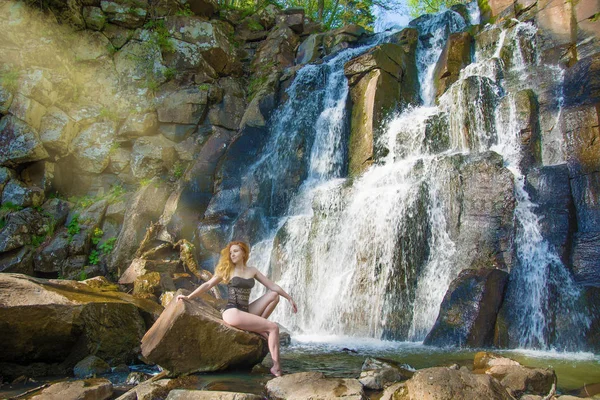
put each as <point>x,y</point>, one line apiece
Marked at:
<point>313,385</point>
<point>96,389</point>
<point>180,394</point>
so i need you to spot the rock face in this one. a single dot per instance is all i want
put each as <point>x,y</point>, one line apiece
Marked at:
<point>306,385</point>
<point>381,80</point>
<point>53,321</point>
<point>191,336</point>
<point>444,384</point>
<point>455,56</point>
<point>469,309</point>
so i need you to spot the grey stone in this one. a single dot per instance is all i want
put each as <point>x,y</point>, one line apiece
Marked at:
<point>137,125</point>
<point>19,194</point>
<point>90,367</point>
<point>151,156</point>
<point>19,143</point>
<point>94,145</point>
<point>94,18</point>
<point>57,131</point>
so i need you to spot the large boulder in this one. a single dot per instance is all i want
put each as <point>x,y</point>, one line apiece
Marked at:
<point>20,227</point>
<point>305,385</point>
<point>377,373</point>
<point>139,124</point>
<point>28,110</point>
<point>145,206</point>
<point>229,112</point>
<point>381,81</point>
<point>455,56</point>
<point>94,145</point>
<point>64,321</point>
<point>19,194</point>
<point>442,383</point>
<point>184,106</point>
<point>190,336</point>
<point>468,312</point>
<point>57,131</point>
<point>19,143</point>
<point>152,156</point>
<point>180,394</point>
<point>517,379</point>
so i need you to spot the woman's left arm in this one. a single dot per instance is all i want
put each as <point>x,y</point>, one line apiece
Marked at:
<point>269,284</point>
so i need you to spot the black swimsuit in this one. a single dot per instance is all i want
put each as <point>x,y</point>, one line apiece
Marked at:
<point>239,292</point>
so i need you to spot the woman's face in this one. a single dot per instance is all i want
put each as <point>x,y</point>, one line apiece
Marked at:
<point>236,254</point>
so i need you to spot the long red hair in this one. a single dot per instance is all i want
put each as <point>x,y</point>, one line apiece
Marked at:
<point>225,266</point>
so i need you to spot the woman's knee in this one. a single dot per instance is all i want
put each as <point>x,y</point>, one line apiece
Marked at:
<point>273,327</point>
<point>274,297</point>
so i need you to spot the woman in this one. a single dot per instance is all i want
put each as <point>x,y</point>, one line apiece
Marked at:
<point>232,269</point>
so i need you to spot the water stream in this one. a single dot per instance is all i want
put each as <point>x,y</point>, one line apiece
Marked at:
<point>374,256</point>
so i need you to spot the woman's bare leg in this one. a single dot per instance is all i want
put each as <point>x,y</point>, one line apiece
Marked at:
<point>254,323</point>
<point>264,305</point>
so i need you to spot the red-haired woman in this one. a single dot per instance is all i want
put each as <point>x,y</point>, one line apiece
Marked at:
<point>239,277</point>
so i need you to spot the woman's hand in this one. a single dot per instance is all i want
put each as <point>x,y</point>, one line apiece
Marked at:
<point>294,306</point>
<point>183,297</point>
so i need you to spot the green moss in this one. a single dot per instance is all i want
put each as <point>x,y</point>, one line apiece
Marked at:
<point>9,78</point>
<point>255,26</point>
<point>185,11</point>
<point>9,207</point>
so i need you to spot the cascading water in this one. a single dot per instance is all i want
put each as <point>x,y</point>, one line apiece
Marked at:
<point>375,256</point>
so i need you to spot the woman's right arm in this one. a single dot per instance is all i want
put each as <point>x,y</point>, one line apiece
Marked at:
<point>205,287</point>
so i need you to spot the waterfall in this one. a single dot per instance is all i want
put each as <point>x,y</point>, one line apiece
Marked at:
<point>374,256</point>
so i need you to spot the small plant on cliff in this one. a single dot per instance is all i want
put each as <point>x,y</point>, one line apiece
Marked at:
<point>82,276</point>
<point>108,246</point>
<point>97,236</point>
<point>73,228</point>
<point>145,181</point>
<point>37,240</point>
<point>255,26</point>
<point>160,35</point>
<point>94,258</point>
<point>106,113</point>
<point>186,11</point>
<point>115,194</point>
<point>2,223</point>
<point>9,207</point>
<point>169,73</point>
<point>178,170</point>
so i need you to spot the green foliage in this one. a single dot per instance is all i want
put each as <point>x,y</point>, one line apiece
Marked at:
<point>106,113</point>
<point>94,258</point>
<point>2,223</point>
<point>255,26</point>
<point>145,182</point>
<point>73,228</point>
<point>169,73</point>
<point>115,194</point>
<point>420,7</point>
<point>204,86</point>
<point>152,85</point>
<point>108,246</point>
<point>595,17</point>
<point>185,12</point>
<point>255,84</point>
<point>37,240</point>
<point>82,276</point>
<point>82,202</point>
<point>10,207</point>
<point>9,78</point>
<point>97,235</point>
<point>160,35</point>
<point>178,170</point>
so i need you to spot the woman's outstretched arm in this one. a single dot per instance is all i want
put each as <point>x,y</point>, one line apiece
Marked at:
<point>205,287</point>
<point>275,287</point>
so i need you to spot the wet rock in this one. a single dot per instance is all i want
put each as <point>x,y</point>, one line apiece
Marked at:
<point>94,18</point>
<point>251,225</point>
<point>64,321</point>
<point>152,156</point>
<point>146,205</point>
<point>582,137</point>
<point>90,366</point>
<point>126,13</point>
<point>19,143</point>
<point>135,378</point>
<point>180,394</point>
<point>51,258</point>
<point>19,261</point>
<point>455,56</point>
<point>586,253</point>
<point>310,49</point>
<point>305,385</point>
<point>468,312</point>
<point>97,389</point>
<point>549,188</point>
<point>585,190</point>
<point>19,194</point>
<point>517,379</point>
<point>57,131</point>
<point>378,373</point>
<point>588,27</point>
<point>442,383</point>
<point>556,25</point>
<point>378,83</point>
<point>94,145</point>
<point>210,344</point>
<point>137,125</point>
<point>276,52</point>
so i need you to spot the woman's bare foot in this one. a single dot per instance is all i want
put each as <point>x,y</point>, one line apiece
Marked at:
<point>275,370</point>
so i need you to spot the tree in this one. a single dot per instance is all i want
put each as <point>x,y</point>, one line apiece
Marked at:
<point>420,7</point>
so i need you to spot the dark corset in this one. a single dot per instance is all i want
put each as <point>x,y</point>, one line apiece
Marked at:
<point>239,293</point>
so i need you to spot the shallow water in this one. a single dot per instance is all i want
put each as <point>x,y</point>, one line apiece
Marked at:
<point>338,356</point>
